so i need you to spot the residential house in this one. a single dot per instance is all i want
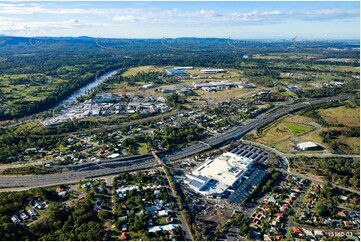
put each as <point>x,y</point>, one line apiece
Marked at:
<point>163,213</point>
<point>318,233</point>
<point>124,227</point>
<point>32,212</point>
<point>341,214</point>
<point>63,194</point>
<point>15,219</point>
<point>123,236</point>
<point>348,224</point>
<point>297,231</point>
<point>23,216</point>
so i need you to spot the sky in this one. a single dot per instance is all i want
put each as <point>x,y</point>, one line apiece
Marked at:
<point>238,20</point>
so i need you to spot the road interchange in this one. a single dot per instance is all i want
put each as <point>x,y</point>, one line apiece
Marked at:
<point>109,167</point>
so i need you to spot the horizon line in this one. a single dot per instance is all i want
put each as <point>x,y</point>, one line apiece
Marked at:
<point>184,37</point>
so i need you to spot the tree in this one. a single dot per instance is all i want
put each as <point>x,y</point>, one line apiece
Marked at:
<point>243,230</point>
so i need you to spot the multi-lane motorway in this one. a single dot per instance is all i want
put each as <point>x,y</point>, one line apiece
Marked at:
<point>80,172</point>
<point>77,173</point>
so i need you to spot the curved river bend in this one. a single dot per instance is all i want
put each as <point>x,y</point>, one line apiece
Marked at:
<point>90,86</point>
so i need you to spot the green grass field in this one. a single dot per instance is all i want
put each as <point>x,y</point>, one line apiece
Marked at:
<point>142,148</point>
<point>298,129</point>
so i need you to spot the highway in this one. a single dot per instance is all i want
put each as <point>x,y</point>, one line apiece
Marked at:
<point>109,163</point>
<point>238,132</point>
<point>76,173</point>
<point>69,177</point>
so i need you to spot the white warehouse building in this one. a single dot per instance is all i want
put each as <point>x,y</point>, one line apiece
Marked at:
<point>217,85</point>
<point>212,71</point>
<point>217,175</point>
<point>308,146</point>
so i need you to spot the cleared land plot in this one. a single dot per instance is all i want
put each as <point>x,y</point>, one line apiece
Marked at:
<point>224,94</point>
<point>341,115</point>
<point>283,133</point>
<point>286,132</point>
<point>276,136</point>
<point>135,70</point>
<point>348,69</point>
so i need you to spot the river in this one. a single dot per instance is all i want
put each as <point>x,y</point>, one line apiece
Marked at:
<point>90,86</point>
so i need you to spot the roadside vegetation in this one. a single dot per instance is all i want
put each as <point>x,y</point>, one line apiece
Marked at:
<point>29,170</point>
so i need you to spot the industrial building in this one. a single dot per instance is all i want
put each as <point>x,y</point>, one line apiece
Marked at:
<point>176,72</point>
<point>246,86</point>
<point>308,146</point>
<point>168,90</point>
<point>148,86</point>
<point>212,71</point>
<point>184,68</point>
<point>206,86</point>
<point>218,174</point>
<point>106,97</point>
<point>184,91</point>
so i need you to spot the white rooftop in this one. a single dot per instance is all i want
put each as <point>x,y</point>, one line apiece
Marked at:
<point>115,155</point>
<point>167,227</point>
<point>225,169</point>
<point>211,70</point>
<point>307,144</point>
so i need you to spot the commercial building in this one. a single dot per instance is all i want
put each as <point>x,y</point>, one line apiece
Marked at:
<point>254,153</point>
<point>247,187</point>
<point>308,146</point>
<point>218,174</point>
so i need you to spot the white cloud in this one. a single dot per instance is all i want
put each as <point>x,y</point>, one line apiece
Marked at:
<point>10,19</point>
<point>35,27</point>
<point>174,15</point>
<point>75,16</point>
